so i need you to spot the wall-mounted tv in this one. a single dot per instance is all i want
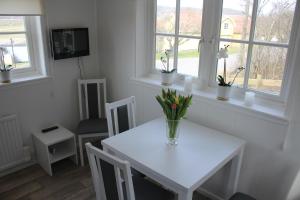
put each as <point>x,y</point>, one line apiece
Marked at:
<point>69,43</point>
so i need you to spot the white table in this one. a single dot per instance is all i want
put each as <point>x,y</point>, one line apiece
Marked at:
<point>54,146</point>
<point>201,152</point>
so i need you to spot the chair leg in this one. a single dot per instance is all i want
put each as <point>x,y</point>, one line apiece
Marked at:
<point>81,151</point>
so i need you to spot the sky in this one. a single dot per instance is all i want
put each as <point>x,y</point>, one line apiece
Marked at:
<point>198,3</point>
<point>233,4</point>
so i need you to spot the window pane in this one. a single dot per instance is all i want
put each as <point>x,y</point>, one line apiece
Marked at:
<point>274,20</point>
<point>12,24</point>
<point>236,19</point>
<point>237,57</point>
<point>17,51</point>
<point>267,68</point>
<point>190,17</point>
<point>188,56</point>
<point>162,44</point>
<point>165,19</point>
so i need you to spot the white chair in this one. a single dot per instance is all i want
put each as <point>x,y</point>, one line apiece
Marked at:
<point>92,99</point>
<point>121,117</point>
<point>132,188</point>
<point>117,119</point>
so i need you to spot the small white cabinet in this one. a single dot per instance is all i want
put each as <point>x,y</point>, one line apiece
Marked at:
<point>54,146</point>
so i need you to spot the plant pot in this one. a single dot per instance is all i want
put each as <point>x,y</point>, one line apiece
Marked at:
<point>5,76</point>
<point>167,78</point>
<point>223,93</point>
<point>172,131</point>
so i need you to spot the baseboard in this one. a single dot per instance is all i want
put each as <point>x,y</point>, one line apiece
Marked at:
<point>17,168</point>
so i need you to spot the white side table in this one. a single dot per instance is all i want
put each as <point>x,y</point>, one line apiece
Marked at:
<point>54,146</point>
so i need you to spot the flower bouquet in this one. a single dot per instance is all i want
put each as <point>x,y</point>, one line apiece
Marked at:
<point>174,107</point>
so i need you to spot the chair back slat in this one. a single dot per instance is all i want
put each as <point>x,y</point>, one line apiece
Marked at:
<point>86,101</point>
<point>119,183</point>
<point>129,116</point>
<point>95,155</point>
<point>99,100</point>
<point>91,101</point>
<point>80,100</point>
<point>113,116</point>
<point>133,108</point>
<point>109,121</point>
<point>116,121</point>
<point>97,176</point>
<point>105,97</point>
<point>129,184</point>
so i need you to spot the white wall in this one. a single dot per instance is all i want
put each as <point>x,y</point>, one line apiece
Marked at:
<point>266,173</point>
<point>54,100</point>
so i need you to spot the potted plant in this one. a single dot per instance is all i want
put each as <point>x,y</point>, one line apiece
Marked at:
<point>4,69</point>
<point>224,87</point>
<point>167,74</point>
<point>174,107</point>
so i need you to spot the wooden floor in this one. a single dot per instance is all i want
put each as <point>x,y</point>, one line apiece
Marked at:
<point>32,183</point>
<point>68,183</point>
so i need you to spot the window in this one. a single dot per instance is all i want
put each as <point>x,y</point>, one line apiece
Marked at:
<point>178,29</point>
<point>14,39</point>
<point>226,25</point>
<point>21,51</point>
<point>259,41</point>
<point>257,31</point>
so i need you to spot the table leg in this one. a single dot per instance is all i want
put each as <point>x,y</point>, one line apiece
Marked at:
<point>81,151</point>
<point>234,173</point>
<point>185,195</point>
<point>105,149</point>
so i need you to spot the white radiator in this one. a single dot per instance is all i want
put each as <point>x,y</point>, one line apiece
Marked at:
<point>11,143</point>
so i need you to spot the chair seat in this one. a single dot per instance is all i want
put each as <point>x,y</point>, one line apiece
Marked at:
<point>146,190</point>
<point>241,196</point>
<point>92,126</point>
<point>143,189</point>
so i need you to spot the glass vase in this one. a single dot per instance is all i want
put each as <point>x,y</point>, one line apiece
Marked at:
<point>172,131</point>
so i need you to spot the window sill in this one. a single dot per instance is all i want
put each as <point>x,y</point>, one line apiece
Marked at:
<point>264,109</point>
<point>24,81</point>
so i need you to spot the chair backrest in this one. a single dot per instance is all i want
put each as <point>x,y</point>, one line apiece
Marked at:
<point>92,98</point>
<point>115,110</point>
<point>95,157</point>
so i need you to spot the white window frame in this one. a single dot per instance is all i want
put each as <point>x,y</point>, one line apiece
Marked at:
<point>282,97</point>
<point>209,45</point>
<point>176,36</point>
<point>35,53</point>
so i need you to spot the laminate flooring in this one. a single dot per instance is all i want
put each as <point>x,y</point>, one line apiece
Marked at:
<point>68,183</point>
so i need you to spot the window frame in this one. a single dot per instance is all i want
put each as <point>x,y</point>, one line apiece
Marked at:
<point>285,85</point>
<point>31,26</point>
<point>209,45</point>
<point>176,36</point>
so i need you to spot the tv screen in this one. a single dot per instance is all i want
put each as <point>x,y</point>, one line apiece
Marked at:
<point>69,43</point>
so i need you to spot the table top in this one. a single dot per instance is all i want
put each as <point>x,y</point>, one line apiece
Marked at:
<point>200,152</point>
<point>55,136</point>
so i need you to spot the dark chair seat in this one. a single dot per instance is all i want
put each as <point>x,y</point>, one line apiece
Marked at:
<point>241,196</point>
<point>146,190</point>
<point>143,189</point>
<point>89,126</point>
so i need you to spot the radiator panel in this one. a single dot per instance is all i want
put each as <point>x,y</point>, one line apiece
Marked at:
<point>11,143</point>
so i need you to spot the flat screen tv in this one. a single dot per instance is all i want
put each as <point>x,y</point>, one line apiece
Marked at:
<point>69,43</point>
